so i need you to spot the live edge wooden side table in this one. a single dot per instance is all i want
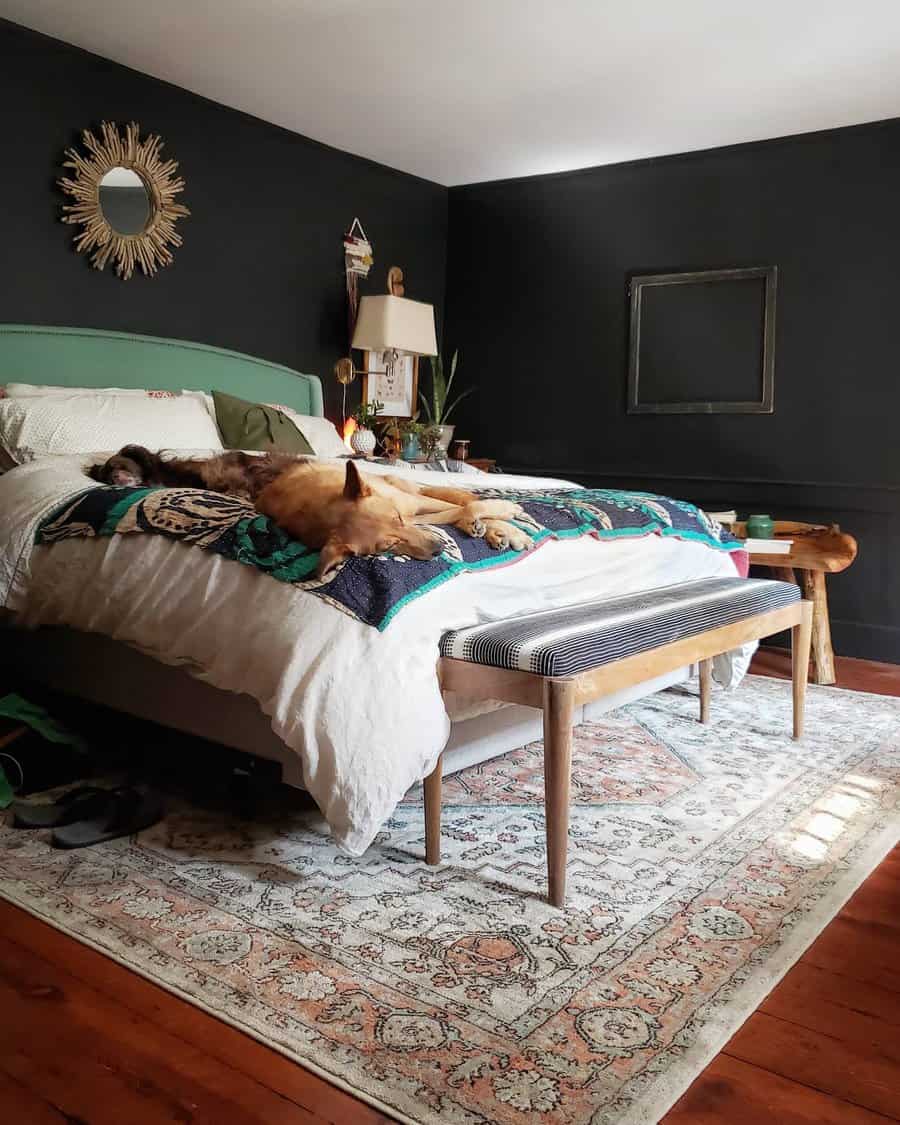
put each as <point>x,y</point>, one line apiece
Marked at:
<point>815,552</point>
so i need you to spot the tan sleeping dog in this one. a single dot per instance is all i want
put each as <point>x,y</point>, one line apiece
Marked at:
<point>341,512</point>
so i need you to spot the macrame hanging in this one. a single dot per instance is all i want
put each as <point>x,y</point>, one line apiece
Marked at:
<point>357,263</point>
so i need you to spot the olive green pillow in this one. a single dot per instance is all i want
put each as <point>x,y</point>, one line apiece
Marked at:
<point>253,425</point>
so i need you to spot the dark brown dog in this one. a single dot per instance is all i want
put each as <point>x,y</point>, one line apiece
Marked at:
<point>234,473</point>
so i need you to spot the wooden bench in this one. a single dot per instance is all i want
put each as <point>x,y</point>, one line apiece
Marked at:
<point>559,659</point>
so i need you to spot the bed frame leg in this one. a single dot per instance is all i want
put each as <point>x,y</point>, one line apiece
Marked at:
<point>705,688</point>
<point>559,707</point>
<point>801,636</point>
<point>433,813</point>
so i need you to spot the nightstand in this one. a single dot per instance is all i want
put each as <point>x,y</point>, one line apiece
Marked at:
<point>486,464</point>
<point>815,552</point>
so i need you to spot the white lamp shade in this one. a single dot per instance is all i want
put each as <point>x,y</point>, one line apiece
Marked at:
<point>395,322</point>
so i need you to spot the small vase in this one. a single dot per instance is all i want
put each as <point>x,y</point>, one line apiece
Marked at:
<point>445,438</point>
<point>363,442</point>
<point>760,527</point>
<point>410,449</point>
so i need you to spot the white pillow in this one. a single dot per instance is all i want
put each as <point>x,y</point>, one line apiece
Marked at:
<point>321,434</point>
<point>43,425</point>
<point>34,390</point>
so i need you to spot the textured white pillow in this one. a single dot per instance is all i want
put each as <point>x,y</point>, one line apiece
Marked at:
<point>43,425</point>
<point>34,390</point>
<point>319,432</point>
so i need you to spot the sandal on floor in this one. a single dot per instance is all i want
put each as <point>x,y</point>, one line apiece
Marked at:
<point>124,812</point>
<point>74,805</point>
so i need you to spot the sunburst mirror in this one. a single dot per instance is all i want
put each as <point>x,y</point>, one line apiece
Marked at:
<point>124,193</point>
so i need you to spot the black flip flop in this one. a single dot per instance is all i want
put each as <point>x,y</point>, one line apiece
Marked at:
<point>74,805</point>
<point>124,812</point>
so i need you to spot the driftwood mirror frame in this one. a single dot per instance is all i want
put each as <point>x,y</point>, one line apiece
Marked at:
<point>766,402</point>
<point>149,248</point>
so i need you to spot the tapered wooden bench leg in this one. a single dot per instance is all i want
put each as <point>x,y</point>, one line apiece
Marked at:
<point>801,636</point>
<point>559,707</point>
<point>433,813</point>
<point>705,689</point>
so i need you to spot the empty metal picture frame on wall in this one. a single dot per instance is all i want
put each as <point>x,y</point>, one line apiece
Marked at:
<point>703,342</point>
<point>124,194</point>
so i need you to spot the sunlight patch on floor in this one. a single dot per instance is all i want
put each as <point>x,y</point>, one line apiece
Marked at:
<point>830,817</point>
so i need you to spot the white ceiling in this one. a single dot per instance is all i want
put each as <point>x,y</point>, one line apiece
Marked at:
<point>466,90</point>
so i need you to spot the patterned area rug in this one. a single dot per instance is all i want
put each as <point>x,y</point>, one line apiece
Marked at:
<point>703,860</point>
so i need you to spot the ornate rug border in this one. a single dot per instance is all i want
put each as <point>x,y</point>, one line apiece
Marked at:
<point>713,1036</point>
<point>282,1049</point>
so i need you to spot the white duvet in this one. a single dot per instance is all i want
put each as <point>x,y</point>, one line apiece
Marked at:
<point>362,709</point>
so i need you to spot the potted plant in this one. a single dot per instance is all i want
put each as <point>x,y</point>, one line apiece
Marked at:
<point>430,442</point>
<point>438,410</point>
<point>362,440</point>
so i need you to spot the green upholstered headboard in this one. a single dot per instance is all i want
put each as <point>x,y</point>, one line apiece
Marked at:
<point>86,357</point>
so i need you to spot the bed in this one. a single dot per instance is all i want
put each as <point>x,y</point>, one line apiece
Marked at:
<point>352,713</point>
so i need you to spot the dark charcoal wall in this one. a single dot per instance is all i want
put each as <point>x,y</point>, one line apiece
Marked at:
<point>536,304</point>
<point>261,268</point>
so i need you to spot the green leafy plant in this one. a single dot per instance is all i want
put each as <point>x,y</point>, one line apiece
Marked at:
<point>429,439</point>
<point>438,410</point>
<point>410,427</point>
<point>366,413</point>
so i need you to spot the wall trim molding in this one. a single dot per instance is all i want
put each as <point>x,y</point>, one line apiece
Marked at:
<point>843,496</point>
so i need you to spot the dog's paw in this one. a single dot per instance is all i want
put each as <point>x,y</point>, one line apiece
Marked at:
<point>472,525</point>
<point>503,536</point>
<point>497,536</point>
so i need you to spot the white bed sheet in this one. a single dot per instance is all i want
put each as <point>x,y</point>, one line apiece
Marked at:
<point>363,709</point>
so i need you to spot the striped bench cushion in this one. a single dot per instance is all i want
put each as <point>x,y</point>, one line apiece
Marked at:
<point>564,642</point>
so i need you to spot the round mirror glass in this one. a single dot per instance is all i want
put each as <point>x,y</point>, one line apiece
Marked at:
<point>124,201</point>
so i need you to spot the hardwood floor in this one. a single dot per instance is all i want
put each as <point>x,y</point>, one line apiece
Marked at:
<point>86,1042</point>
<point>854,675</point>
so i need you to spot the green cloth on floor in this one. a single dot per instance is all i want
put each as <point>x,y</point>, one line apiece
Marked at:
<point>6,791</point>
<point>14,707</point>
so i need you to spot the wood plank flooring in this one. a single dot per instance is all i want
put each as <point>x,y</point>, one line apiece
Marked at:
<point>85,1041</point>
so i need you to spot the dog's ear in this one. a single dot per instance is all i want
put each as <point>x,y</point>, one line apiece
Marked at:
<point>331,556</point>
<point>355,488</point>
<point>95,472</point>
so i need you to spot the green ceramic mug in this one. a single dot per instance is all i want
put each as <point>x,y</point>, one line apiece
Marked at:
<point>760,527</point>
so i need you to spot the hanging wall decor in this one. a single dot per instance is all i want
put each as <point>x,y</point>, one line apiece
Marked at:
<point>124,194</point>
<point>358,261</point>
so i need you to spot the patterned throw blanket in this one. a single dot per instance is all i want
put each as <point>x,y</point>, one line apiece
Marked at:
<point>372,589</point>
